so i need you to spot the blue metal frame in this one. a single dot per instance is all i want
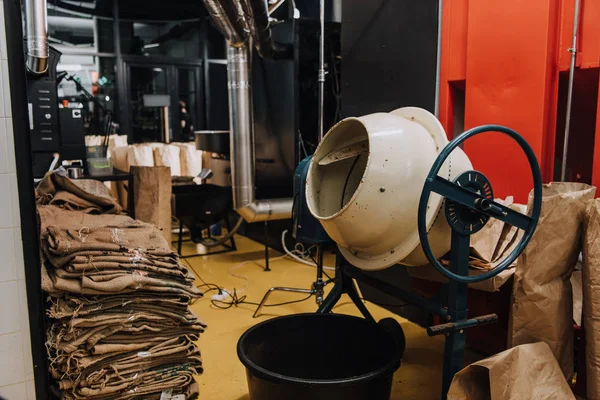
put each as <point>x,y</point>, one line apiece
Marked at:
<point>447,189</point>
<point>455,310</point>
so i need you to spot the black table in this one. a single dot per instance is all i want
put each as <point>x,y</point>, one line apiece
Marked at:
<point>117,175</point>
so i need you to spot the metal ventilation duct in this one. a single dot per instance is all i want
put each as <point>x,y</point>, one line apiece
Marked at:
<point>233,19</point>
<point>260,28</point>
<point>36,26</point>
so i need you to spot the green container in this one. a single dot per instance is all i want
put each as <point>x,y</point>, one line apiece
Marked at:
<point>100,166</point>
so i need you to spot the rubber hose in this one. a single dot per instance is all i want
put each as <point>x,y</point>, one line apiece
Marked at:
<point>225,238</point>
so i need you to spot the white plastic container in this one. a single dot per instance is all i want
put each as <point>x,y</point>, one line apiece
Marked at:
<point>368,201</point>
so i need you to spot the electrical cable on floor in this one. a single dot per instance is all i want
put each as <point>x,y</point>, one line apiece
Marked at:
<point>246,263</point>
<point>235,299</point>
<point>296,257</point>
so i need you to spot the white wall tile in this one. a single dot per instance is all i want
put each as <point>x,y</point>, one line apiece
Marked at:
<point>5,202</point>
<point>14,392</point>
<point>11,354</point>
<point>8,270</point>
<point>9,308</point>
<point>2,101</point>
<point>10,145</point>
<point>6,87</point>
<point>3,147</point>
<point>3,51</point>
<point>19,262</point>
<point>24,326</point>
<point>14,202</point>
<point>31,390</point>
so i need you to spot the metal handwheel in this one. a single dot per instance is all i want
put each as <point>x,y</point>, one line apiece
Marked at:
<point>470,203</point>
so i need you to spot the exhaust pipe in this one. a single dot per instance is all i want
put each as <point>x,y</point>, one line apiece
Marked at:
<point>242,143</point>
<point>36,20</point>
<point>241,122</point>
<point>222,13</point>
<point>260,28</point>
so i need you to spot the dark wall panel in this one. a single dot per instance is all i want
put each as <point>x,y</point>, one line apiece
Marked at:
<point>388,55</point>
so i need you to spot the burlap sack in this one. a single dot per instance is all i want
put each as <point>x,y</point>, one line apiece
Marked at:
<point>591,298</point>
<point>524,372</point>
<point>542,305</point>
<point>168,156</point>
<point>152,197</point>
<point>84,195</point>
<point>71,306</point>
<point>135,235</point>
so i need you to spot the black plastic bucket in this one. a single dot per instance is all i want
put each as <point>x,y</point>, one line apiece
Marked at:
<point>319,357</point>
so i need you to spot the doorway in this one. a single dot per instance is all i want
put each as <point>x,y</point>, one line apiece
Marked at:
<point>178,86</point>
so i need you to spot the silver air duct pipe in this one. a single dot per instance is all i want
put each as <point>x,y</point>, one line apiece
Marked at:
<point>242,143</point>
<point>36,26</point>
<point>241,122</point>
<point>258,22</point>
<point>222,13</point>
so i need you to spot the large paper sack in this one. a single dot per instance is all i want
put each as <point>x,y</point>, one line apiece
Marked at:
<point>152,196</point>
<point>168,156</point>
<point>542,308</point>
<point>528,371</point>
<point>591,298</point>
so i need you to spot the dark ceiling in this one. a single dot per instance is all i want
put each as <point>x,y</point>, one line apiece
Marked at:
<point>139,10</point>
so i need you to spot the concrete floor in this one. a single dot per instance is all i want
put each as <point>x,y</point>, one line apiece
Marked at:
<point>224,377</point>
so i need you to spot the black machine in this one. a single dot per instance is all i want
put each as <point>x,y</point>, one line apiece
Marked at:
<point>53,130</point>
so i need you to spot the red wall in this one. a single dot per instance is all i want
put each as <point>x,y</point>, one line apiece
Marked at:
<point>509,53</point>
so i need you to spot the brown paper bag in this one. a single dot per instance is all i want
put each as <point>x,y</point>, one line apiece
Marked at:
<point>119,160</point>
<point>168,156</point>
<point>591,298</point>
<point>524,372</point>
<point>152,196</point>
<point>484,242</point>
<point>542,307</point>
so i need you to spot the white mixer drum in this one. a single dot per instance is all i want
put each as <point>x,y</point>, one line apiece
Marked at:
<point>365,181</point>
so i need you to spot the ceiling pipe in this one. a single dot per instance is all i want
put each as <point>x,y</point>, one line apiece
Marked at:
<point>222,13</point>
<point>260,28</point>
<point>36,31</point>
<point>229,17</point>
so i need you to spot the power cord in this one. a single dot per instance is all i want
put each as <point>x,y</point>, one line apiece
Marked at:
<point>233,299</point>
<point>299,253</point>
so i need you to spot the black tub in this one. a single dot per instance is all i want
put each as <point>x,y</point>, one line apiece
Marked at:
<point>320,357</point>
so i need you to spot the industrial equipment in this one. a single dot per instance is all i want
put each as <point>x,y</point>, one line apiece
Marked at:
<point>411,187</point>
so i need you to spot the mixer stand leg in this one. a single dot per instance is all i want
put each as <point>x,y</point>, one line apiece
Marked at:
<point>344,284</point>
<point>317,288</point>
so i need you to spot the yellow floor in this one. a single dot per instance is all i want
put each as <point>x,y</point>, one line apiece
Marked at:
<point>224,378</point>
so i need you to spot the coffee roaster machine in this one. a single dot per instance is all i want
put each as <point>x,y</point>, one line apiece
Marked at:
<point>56,132</point>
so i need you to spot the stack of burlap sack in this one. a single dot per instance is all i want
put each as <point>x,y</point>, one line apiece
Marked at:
<point>118,303</point>
<point>540,359</point>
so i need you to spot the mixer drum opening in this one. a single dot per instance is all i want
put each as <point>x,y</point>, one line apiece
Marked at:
<point>341,170</point>
<point>364,184</point>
